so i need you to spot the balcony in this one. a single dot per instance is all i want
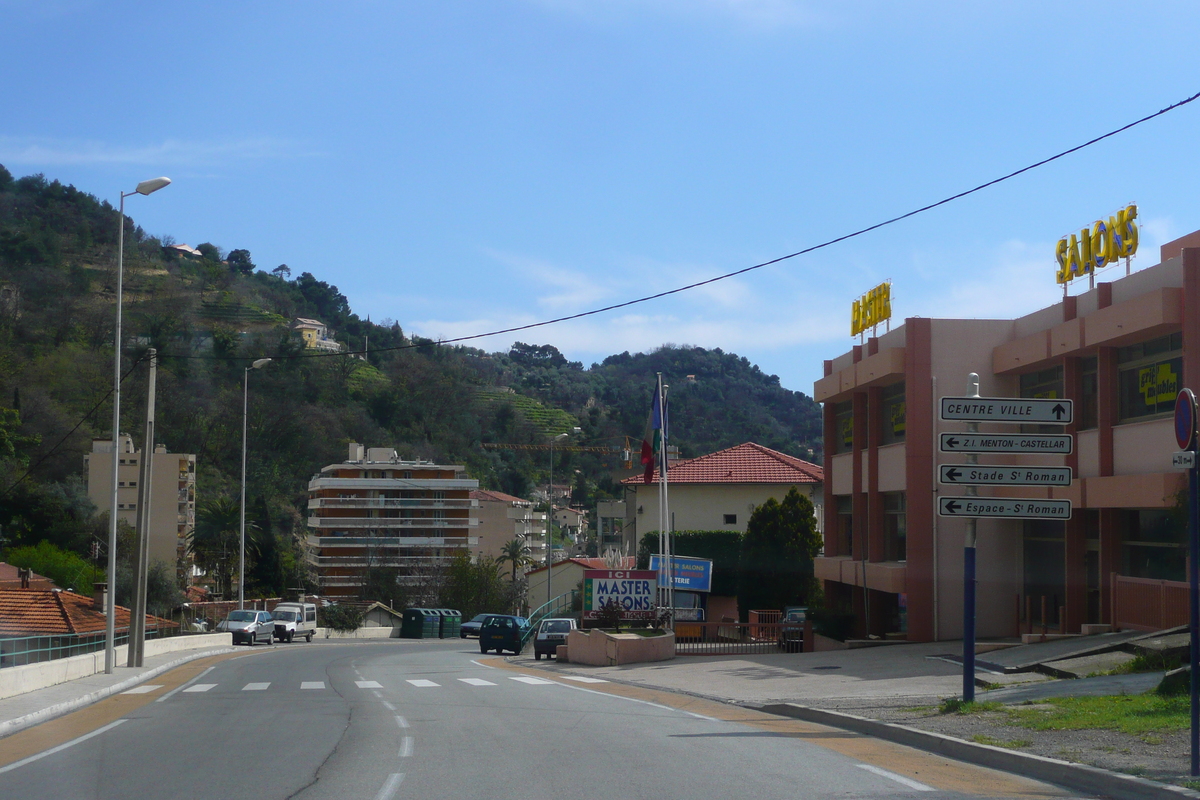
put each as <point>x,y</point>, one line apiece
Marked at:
<point>389,502</point>
<point>392,484</point>
<point>392,523</point>
<point>392,542</point>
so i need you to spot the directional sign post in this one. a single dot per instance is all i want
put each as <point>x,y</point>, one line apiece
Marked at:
<point>1006,507</point>
<point>975,475</point>
<point>1048,444</point>
<point>1008,409</point>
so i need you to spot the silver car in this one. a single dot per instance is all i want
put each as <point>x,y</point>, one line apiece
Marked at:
<point>249,626</point>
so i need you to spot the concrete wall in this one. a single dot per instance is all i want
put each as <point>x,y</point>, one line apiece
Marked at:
<point>702,507</point>
<point>599,649</point>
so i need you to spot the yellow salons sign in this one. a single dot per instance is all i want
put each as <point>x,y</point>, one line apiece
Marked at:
<point>1094,247</point>
<point>871,309</point>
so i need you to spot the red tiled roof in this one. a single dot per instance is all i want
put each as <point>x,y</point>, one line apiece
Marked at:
<point>10,580</point>
<point>497,497</point>
<point>745,463</point>
<point>627,562</point>
<point>38,612</point>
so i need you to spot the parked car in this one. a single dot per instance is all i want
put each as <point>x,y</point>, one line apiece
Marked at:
<point>791,629</point>
<point>502,632</point>
<point>249,626</point>
<point>295,619</point>
<point>471,627</point>
<point>550,634</point>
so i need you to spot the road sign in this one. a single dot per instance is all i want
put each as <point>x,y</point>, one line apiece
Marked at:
<point>976,475</point>
<point>1007,409</point>
<point>1183,460</point>
<point>1185,419</point>
<point>969,507</point>
<point>1049,444</point>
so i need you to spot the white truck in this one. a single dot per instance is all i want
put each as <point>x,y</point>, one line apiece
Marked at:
<point>295,619</point>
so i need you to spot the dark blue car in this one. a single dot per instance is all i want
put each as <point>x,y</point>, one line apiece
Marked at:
<point>502,632</point>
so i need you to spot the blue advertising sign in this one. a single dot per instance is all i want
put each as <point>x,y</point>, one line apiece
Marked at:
<point>691,574</point>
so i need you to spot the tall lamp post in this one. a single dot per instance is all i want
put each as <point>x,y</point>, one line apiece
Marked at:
<point>110,605</point>
<point>550,517</point>
<point>258,364</point>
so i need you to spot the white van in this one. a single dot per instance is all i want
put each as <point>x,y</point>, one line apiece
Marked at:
<point>295,619</point>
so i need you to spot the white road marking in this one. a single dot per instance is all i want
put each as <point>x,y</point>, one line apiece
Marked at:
<point>368,684</point>
<point>406,747</point>
<point>390,786</point>
<point>701,716</point>
<point>145,688</point>
<point>477,682</point>
<point>199,687</point>
<point>401,721</point>
<point>60,747</point>
<point>531,680</point>
<point>900,779</point>
<point>312,684</point>
<point>581,679</point>
<point>388,706</point>
<point>256,687</point>
<point>423,684</point>
<point>182,687</point>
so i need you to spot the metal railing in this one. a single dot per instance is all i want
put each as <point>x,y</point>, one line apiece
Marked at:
<point>558,606</point>
<point>388,502</point>
<point>1144,604</point>
<point>20,650</point>
<point>729,638</point>
<point>392,523</point>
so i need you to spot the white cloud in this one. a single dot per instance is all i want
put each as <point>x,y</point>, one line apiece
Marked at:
<point>172,152</point>
<point>577,290</point>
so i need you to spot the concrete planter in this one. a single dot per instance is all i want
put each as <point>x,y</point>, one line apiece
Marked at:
<point>601,649</point>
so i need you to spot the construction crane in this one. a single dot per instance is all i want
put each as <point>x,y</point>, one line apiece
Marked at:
<point>625,452</point>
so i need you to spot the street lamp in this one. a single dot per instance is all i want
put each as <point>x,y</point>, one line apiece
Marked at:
<point>258,364</point>
<point>110,605</point>
<point>550,517</point>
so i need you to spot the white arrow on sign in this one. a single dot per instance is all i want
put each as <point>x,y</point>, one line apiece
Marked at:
<point>1007,409</point>
<point>975,475</point>
<point>1003,507</point>
<point>1050,444</point>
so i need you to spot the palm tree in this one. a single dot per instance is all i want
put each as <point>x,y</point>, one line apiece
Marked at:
<point>515,552</point>
<point>214,542</point>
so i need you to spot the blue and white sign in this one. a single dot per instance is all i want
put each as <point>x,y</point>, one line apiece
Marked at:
<point>691,574</point>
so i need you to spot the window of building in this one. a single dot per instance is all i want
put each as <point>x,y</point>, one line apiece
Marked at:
<point>895,526</point>
<point>1045,569</point>
<point>845,525</point>
<point>1089,393</point>
<point>893,407</point>
<point>1148,377</point>
<point>843,427</point>
<point>731,519</point>
<point>1046,384</point>
<point>1154,545</point>
<point>408,473</point>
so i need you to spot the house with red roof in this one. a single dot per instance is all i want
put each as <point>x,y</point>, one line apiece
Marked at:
<point>720,490</point>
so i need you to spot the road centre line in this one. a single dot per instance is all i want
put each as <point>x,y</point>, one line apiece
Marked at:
<point>401,721</point>
<point>390,786</point>
<point>388,706</point>
<point>183,686</point>
<point>61,747</point>
<point>909,782</point>
<point>406,747</point>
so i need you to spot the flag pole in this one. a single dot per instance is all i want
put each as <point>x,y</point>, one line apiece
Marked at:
<point>666,497</point>
<point>662,528</point>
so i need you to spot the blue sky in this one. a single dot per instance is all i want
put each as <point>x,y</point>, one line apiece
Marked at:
<point>461,167</point>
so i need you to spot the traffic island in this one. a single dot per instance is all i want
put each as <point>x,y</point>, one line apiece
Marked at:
<point>599,648</point>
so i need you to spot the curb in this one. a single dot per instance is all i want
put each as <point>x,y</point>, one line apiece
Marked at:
<point>1077,777</point>
<point>11,726</point>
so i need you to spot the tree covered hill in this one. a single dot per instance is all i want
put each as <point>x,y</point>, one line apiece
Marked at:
<point>207,316</point>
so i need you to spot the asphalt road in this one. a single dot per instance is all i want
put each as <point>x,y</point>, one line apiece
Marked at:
<point>437,720</point>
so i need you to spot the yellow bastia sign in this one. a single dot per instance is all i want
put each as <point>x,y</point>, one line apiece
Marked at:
<point>871,309</point>
<point>1093,248</point>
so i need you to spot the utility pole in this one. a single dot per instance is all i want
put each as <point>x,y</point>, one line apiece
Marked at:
<point>137,619</point>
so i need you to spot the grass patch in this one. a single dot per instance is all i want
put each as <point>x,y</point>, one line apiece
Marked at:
<point>1137,715</point>
<point>1011,744</point>
<point>956,705</point>
<point>1190,784</point>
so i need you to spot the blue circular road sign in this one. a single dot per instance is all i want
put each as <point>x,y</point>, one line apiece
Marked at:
<point>1185,419</point>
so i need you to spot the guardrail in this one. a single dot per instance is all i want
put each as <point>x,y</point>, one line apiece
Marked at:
<point>730,638</point>
<point>20,650</point>
<point>1143,604</point>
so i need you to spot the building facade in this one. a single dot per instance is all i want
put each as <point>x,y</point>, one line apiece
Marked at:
<point>375,510</point>
<point>1120,350</point>
<point>502,518</point>
<point>172,495</point>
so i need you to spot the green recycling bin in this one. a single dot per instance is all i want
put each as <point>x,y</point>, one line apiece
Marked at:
<point>451,620</point>
<point>420,623</point>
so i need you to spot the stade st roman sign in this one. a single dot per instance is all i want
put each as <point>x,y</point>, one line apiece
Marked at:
<point>1005,410</point>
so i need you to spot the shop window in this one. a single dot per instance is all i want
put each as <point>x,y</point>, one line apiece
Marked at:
<point>843,432</point>
<point>1148,377</point>
<point>1088,408</point>
<point>1046,384</point>
<point>1154,545</point>
<point>895,527</point>
<point>893,408</point>
<point>845,525</point>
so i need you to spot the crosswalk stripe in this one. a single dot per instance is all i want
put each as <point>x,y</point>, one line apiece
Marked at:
<point>368,684</point>
<point>199,687</point>
<point>477,681</point>
<point>145,688</point>
<point>423,684</point>
<point>531,680</point>
<point>582,679</point>
<point>312,684</point>
<point>256,687</point>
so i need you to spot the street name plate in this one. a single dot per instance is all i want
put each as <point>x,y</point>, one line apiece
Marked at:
<point>1003,507</point>
<point>1050,444</point>
<point>1007,409</point>
<point>1183,460</point>
<point>976,475</point>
